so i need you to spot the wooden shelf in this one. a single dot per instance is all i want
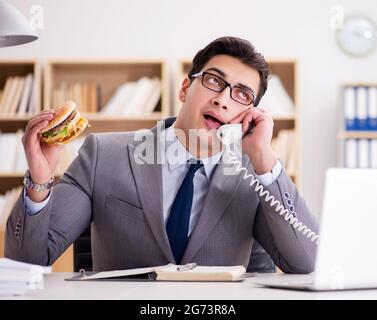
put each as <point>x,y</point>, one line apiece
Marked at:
<point>12,68</point>
<point>358,135</point>
<point>359,84</point>
<point>287,118</point>
<point>108,75</point>
<point>356,148</point>
<point>98,123</point>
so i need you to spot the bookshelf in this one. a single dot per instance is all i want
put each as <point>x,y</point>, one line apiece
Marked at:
<point>106,76</point>
<point>357,135</point>
<point>21,68</point>
<point>286,70</point>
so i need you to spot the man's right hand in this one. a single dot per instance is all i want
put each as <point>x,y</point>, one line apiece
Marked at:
<point>42,158</point>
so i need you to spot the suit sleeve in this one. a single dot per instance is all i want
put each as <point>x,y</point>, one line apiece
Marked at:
<point>291,250</point>
<point>43,237</point>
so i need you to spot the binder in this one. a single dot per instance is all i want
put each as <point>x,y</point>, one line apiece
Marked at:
<point>361,108</point>
<point>363,153</point>
<point>373,153</point>
<point>350,156</point>
<point>169,272</point>
<point>349,108</point>
<point>372,108</point>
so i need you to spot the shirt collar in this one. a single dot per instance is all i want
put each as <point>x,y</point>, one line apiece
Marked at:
<point>179,155</point>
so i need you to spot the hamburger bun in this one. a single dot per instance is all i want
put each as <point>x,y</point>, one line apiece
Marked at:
<point>66,125</point>
<point>60,114</point>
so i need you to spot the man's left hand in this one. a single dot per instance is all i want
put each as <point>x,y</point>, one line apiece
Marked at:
<point>257,145</point>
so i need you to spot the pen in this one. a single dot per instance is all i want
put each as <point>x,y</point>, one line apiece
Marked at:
<point>186,267</point>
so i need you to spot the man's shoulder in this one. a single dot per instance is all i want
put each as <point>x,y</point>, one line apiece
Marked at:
<point>113,138</point>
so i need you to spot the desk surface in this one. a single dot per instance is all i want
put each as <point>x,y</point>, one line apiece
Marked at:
<point>55,287</point>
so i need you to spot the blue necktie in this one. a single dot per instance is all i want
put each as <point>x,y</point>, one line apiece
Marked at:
<point>179,218</point>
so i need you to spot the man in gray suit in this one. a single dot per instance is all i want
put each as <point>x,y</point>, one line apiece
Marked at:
<point>178,210</point>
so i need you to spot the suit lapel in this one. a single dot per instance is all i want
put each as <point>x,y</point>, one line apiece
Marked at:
<point>148,179</point>
<point>221,191</point>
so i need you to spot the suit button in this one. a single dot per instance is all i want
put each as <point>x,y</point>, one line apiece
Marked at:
<point>286,195</point>
<point>291,208</point>
<point>289,201</point>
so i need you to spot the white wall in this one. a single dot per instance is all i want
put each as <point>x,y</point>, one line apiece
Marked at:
<point>178,29</point>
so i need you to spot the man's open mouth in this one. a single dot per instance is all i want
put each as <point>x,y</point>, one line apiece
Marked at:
<point>212,122</point>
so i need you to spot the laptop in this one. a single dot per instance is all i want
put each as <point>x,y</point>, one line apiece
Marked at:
<point>347,249</point>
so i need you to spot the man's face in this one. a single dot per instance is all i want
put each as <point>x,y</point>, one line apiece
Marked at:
<point>208,110</point>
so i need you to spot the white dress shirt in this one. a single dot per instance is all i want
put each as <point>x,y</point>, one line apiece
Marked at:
<point>174,171</point>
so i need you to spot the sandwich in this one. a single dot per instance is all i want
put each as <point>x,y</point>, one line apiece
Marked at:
<point>66,125</point>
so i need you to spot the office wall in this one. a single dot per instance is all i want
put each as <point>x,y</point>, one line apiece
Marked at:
<point>177,29</point>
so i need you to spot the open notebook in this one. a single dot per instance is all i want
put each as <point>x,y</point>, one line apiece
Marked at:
<point>168,272</point>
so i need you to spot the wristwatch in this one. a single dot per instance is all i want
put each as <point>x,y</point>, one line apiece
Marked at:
<point>29,183</point>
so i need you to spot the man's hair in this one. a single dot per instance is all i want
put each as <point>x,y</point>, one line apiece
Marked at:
<point>237,48</point>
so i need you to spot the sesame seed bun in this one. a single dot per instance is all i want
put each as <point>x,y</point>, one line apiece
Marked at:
<point>61,113</point>
<point>66,125</point>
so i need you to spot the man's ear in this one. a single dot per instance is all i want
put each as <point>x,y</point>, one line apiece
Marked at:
<point>184,88</point>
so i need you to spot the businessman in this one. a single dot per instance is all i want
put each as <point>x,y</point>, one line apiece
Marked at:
<point>186,208</point>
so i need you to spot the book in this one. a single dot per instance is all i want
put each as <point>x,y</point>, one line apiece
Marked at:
<point>16,278</point>
<point>120,99</point>
<point>12,110</point>
<point>136,102</point>
<point>6,93</point>
<point>349,108</point>
<point>277,99</point>
<point>7,103</point>
<point>28,87</point>
<point>169,272</point>
<point>361,108</point>
<point>372,108</point>
<point>373,153</point>
<point>350,153</point>
<point>153,97</point>
<point>363,153</point>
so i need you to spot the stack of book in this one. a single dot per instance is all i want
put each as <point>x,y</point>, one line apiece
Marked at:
<point>285,145</point>
<point>16,278</point>
<point>360,114</point>
<point>17,97</point>
<point>86,96</point>
<point>360,108</point>
<point>137,98</point>
<point>12,158</point>
<point>360,153</point>
<point>276,99</point>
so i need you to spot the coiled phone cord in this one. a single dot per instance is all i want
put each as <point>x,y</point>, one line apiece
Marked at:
<point>230,137</point>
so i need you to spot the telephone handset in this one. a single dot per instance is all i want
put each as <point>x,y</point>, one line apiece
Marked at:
<point>229,134</point>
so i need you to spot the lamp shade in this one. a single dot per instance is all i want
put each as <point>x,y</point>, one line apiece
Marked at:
<point>14,28</point>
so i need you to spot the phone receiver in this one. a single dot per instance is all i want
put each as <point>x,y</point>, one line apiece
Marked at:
<point>231,133</point>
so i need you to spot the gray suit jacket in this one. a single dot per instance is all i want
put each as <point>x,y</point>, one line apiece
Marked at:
<point>123,200</point>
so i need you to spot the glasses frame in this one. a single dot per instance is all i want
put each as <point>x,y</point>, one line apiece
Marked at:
<point>227,84</point>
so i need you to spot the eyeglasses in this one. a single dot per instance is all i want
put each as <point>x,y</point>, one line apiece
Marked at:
<point>218,84</point>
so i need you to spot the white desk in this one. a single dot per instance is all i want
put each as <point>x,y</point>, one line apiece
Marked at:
<point>56,288</point>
